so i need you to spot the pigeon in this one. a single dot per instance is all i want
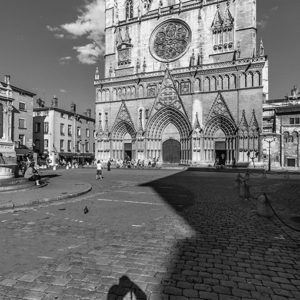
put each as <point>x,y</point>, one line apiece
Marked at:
<point>86,210</point>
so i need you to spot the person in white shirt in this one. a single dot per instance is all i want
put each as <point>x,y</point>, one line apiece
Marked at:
<point>99,170</point>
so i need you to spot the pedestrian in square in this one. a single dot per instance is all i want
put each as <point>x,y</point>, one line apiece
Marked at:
<point>108,165</point>
<point>99,170</point>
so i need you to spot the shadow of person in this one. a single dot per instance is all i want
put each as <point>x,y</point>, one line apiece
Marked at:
<point>126,290</point>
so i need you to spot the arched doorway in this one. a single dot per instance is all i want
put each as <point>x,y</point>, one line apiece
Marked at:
<point>128,154</point>
<point>171,151</point>
<point>220,147</point>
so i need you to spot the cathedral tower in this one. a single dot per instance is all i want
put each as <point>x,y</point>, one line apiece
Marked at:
<point>184,82</point>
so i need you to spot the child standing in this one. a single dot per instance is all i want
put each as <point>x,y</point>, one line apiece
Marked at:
<point>99,170</point>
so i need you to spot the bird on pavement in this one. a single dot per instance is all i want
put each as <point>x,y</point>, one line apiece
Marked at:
<point>86,210</point>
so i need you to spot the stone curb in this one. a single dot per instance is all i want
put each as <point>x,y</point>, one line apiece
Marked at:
<point>8,206</point>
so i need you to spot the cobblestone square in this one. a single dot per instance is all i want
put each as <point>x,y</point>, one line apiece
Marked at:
<point>161,234</point>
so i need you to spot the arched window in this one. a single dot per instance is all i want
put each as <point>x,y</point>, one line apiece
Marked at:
<point>129,9</point>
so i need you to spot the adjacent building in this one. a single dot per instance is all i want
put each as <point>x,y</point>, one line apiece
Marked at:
<point>184,82</point>
<point>281,119</point>
<point>63,134</point>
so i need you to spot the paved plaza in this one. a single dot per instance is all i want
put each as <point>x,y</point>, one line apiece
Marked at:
<point>159,234</point>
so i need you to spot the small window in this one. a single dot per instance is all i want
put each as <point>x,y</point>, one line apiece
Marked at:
<point>62,115</point>
<point>22,124</point>
<point>297,120</point>
<point>69,146</point>
<point>46,127</point>
<point>37,127</point>
<point>292,121</point>
<point>87,132</point>
<point>78,131</point>
<point>69,130</point>
<point>87,148</point>
<point>62,129</point>
<point>22,106</point>
<point>61,145</point>
<point>46,144</point>
<point>77,146</point>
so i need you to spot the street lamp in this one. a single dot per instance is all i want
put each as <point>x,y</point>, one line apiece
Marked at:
<point>270,139</point>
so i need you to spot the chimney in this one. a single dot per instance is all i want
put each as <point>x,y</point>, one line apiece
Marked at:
<point>55,101</point>
<point>73,107</point>
<point>7,79</point>
<point>89,112</point>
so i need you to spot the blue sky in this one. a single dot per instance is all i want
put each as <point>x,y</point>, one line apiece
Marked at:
<point>51,47</point>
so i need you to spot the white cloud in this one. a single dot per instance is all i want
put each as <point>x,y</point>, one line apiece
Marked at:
<point>89,24</point>
<point>65,60</point>
<point>88,54</point>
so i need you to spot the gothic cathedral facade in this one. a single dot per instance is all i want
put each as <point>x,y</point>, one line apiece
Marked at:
<point>184,82</point>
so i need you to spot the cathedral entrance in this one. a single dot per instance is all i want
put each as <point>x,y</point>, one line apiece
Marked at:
<point>220,152</point>
<point>171,151</point>
<point>127,151</point>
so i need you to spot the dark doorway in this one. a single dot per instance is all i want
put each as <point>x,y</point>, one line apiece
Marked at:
<point>127,151</point>
<point>171,151</point>
<point>220,148</point>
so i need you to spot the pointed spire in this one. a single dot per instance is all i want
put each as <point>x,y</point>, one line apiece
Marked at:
<point>110,70</point>
<point>106,123</point>
<point>180,6</point>
<point>243,123</point>
<point>197,123</point>
<point>144,65</point>
<point>253,123</point>
<point>116,12</point>
<point>97,76</point>
<point>200,57</point>
<point>127,38</point>
<point>238,50</point>
<point>138,65</point>
<point>228,19</point>
<point>218,21</point>
<point>261,48</point>
<point>100,128</point>
<point>140,121</point>
<point>192,59</point>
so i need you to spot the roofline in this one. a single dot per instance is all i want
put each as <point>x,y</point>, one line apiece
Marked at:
<point>63,111</point>
<point>15,88</point>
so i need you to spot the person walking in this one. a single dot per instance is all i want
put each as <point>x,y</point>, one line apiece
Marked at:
<point>99,170</point>
<point>108,165</point>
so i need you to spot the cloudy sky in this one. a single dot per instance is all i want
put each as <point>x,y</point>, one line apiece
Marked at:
<point>51,47</point>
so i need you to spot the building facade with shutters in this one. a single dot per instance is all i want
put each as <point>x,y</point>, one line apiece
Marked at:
<point>63,134</point>
<point>184,82</point>
<point>281,119</point>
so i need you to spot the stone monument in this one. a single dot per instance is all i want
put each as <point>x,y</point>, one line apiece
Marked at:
<point>7,149</point>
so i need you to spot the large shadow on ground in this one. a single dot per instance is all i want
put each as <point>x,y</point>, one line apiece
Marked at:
<point>232,251</point>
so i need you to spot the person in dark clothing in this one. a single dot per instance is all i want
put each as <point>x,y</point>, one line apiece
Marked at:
<point>32,174</point>
<point>108,165</point>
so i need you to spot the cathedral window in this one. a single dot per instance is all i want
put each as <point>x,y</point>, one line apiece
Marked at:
<point>222,30</point>
<point>185,87</point>
<point>129,9</point>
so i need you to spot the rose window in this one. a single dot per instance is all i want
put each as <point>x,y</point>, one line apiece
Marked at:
<point>170,40</point>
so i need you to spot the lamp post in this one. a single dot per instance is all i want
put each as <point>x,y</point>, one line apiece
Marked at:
<point>269,139</point>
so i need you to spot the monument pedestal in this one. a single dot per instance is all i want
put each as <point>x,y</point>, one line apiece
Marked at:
<point>8,160</point>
